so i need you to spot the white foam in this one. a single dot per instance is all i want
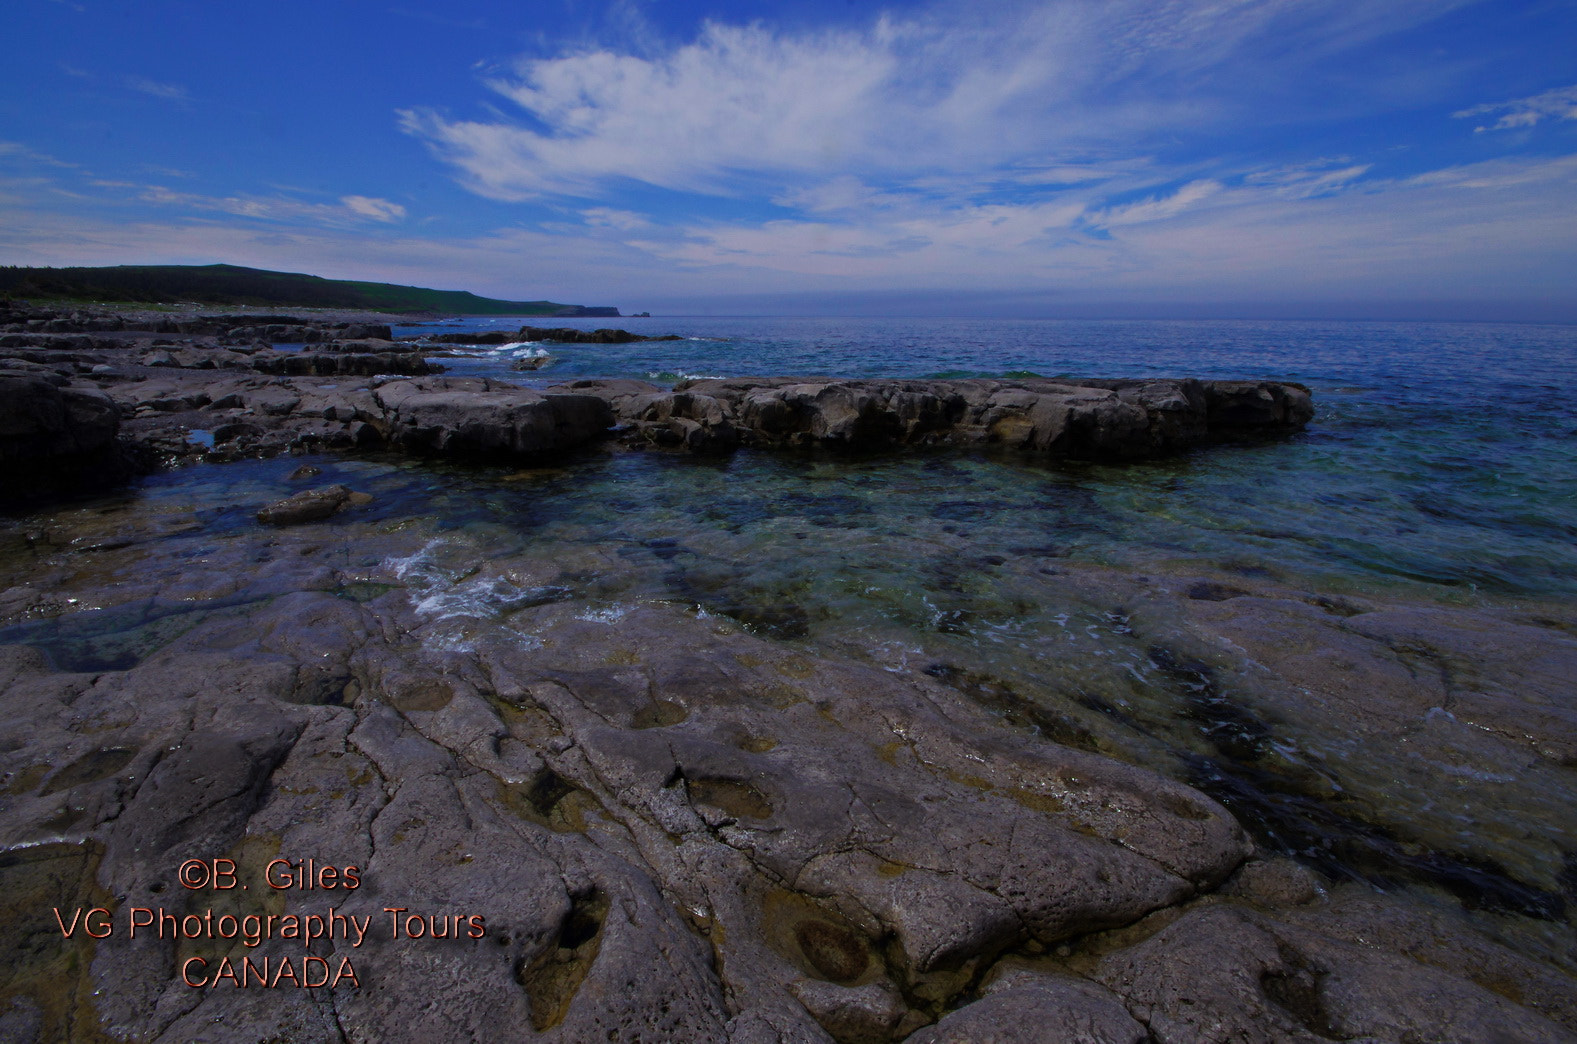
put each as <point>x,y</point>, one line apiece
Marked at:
<point>612,614</point>
<point>443,590</point>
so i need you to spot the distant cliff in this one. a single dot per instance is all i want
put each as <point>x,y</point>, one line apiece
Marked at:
<point>233,285</point>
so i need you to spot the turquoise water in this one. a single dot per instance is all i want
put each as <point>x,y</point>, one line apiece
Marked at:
<point>1442,453</point>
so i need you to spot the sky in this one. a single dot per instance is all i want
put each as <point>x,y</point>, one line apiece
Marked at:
<point>1164,158</point>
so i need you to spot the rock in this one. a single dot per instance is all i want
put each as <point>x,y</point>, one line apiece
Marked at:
<point>1046,418</point>
<point>475,417</point>
<point>1274,882</point>
<point>1221,973</point>
<point>674,829</point>
<point>1249,406</point>
<point>311,505</point>
<point>325,364</point>
<point>492,337</point>
<point>55,438</point>
<point>566,335</point>
<point>229,432</point>
<point>370,346</point>
<point>364,332</point>
<point>1039,1010</point>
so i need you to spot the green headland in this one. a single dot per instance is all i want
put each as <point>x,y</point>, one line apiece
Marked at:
<point>234,285</point>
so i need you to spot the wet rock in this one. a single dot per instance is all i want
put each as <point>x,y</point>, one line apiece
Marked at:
<point>1221,973</point>
<point>871,1012</point>
<point>898,849</point>
<point>675,830</point>
<point>567,335</point>
<point>311,505</point>
<point>1249,406</point>
<point>1409,690</point>
<point>1048,418</point>
<point>1275,882</point>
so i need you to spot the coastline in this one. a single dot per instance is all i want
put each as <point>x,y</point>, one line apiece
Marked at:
<point>707,817</point>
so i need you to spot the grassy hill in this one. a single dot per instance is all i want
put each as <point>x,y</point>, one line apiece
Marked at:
<point>232,285</point>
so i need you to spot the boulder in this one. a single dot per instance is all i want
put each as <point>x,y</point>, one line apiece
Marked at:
<point>55,438</point>
<point>310,505</point>
<point>475,417</point>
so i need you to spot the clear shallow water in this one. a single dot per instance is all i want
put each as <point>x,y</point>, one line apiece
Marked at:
<point>1442,453</point>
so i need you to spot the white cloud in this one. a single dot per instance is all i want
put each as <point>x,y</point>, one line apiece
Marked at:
<point>609,217</point>
<point>1305,180</point>
<point>1497,230</point>
<point>736,99</point>
<point>1500,174</point>
<point>377,209</point>
<point>1559,104</point>
<point>1052,83</point>
<point>1158,208</point>
<point>841,194</point>
<point>1456,232</point>
<point>167,91</point>
<point>350,210</point>
<point>16,152</point>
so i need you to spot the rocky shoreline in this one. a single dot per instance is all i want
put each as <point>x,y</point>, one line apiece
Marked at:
<point>85,397</point>
<point>678,827</point>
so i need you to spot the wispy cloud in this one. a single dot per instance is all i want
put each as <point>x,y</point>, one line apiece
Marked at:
<point>371,207</point>
<point>155,89</point>
<point>1306,180</point>
<point>1504,228</point>
<point>1157,208</point>
<point>1099,147</point>
<point>350,209</point>
<point>1559,104</point>
<point>16,152</point>
<point>1052,85</point>
<point>611,217</point>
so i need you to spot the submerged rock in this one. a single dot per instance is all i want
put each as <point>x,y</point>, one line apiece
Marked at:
<point>310,505</point>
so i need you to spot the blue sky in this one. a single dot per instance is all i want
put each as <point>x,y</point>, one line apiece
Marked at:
<point>1412,158</point>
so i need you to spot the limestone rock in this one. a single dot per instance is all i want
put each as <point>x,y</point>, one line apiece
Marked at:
<point>310,505</point>
<point>474,416</point>
<point>1039,1010</point>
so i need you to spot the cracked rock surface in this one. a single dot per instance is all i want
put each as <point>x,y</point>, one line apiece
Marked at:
<point>672,828</point>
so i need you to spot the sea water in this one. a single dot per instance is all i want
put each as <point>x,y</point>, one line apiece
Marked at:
<point>1442,454</point>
